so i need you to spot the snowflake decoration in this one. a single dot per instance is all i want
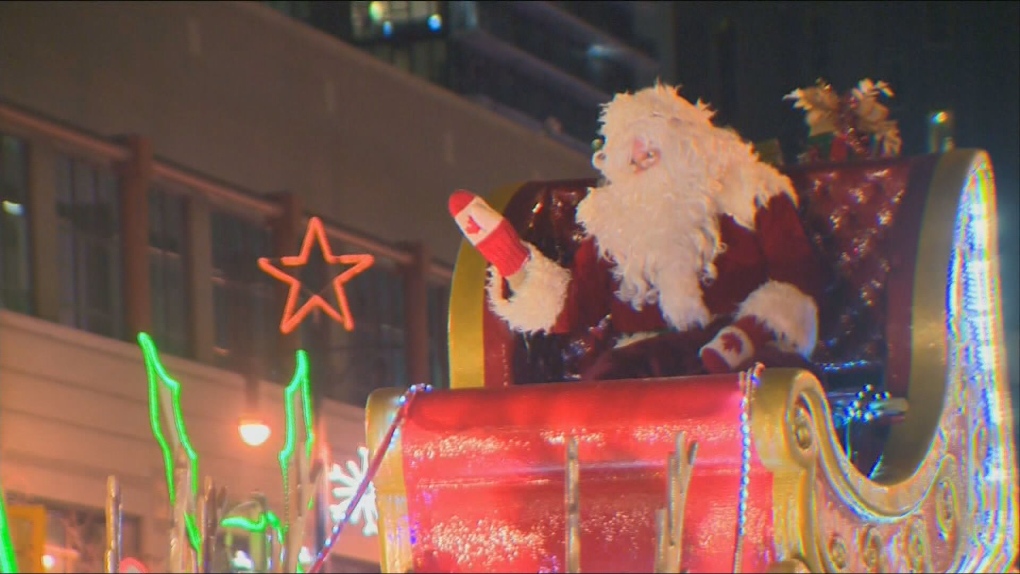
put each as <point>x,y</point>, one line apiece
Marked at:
<point>346,484</point>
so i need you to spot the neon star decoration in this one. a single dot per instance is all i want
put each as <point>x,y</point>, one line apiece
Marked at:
<point>292,314</point>
<point>346,485</point>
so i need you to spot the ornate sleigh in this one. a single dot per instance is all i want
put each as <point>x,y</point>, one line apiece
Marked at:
<point>895,453</point>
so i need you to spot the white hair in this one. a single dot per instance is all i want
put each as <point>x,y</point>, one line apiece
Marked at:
<point>660,225</point>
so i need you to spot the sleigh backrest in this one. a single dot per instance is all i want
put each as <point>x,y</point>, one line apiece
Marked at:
<point>864,217</point>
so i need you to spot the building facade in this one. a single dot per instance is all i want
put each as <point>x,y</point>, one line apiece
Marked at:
<point>149,153</point>
<point>546,64</point>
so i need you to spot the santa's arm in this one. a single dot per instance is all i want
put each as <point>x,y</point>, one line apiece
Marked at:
<point>529,291</point>
<point>532,299</point>
<point>784,309</point>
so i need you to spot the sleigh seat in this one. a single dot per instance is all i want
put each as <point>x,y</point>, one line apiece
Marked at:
<point>863,217</point>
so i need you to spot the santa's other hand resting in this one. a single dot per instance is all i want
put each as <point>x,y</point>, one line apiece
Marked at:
<point>694,259</point>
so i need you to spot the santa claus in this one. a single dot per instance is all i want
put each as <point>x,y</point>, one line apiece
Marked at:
<point>694,258</point>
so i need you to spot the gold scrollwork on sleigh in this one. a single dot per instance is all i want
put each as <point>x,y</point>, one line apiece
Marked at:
<point>944,478</point>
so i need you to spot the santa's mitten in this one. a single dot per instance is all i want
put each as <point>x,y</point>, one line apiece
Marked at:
<point>489,232</point>
<point>735,345</point>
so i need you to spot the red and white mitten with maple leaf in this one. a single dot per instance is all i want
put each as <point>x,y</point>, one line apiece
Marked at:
<point>735,345</point>
<point>489,232</point>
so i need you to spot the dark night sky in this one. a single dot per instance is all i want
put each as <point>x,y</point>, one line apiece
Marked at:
<point>963,56</point>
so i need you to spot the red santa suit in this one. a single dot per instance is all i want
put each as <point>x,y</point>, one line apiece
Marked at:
<point>769,270</point>
<point>695,258</point>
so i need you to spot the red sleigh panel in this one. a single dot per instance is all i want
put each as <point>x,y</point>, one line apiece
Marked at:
<point>484,476</point>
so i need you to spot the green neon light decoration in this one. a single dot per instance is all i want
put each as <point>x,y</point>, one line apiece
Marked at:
<point>266,520</point>
<point>296,396</point>
<point>158,377</point>
<point>298,384</point>
<point>8,558</point>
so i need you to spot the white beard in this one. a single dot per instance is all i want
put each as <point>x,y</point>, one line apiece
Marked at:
<point>661,231</point>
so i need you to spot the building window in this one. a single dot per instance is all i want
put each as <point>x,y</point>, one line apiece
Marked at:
<point>246,325</point>
<point>15,274</point>
<point>167,275</point>
<point>76,537</point>
<point>88,209</point>
<point>372,356</point>
<point>384,20</point>
<point>439,360</point>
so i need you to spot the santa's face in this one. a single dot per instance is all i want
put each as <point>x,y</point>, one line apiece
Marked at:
<point>630,152</point>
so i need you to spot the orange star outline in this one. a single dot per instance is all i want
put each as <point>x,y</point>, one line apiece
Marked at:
<point>291,318</point>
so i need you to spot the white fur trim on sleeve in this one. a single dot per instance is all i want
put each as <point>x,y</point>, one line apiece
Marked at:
<point>537,302</point>
<point>787,312</point>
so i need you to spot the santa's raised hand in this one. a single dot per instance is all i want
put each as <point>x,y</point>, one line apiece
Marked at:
<point>489,232</point>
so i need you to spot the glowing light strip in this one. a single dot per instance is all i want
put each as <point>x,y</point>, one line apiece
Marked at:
<point>298,384</point>
<point>405,402</point>
<point>993,477</point>
<point>8,558</point>
<point>748,381</point>
<point>266,520</point>
<point>975,331</point>
<point>160,379</point>
<point>297,395</point>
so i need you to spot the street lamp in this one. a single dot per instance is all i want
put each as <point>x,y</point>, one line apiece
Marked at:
<point>253,430</point>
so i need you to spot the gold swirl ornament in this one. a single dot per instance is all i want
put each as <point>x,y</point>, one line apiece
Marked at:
<point>950,465</point>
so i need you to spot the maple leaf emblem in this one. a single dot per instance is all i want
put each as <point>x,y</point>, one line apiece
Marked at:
<point>731,343</point>
<point>472,226</point>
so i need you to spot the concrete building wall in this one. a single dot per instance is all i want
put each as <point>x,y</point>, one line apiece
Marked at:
<point>239,91</point>
<point>74,410</point>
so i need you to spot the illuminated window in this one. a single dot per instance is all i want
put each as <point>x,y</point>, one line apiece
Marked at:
<point>167,250</point>
<point>246,317</point>
<point>88,209</point>
<point>15,276</point>
<point>387,20</point>
<point>439,300</point>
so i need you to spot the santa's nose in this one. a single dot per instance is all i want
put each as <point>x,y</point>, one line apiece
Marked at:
<point>643,155</point>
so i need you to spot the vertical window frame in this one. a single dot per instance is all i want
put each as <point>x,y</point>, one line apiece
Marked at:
<point>168,254</point>
<point>17,288</point>
<point>249,237</point>
<point>87,238</point>
<point>374,354</point>
<point>439,334</point>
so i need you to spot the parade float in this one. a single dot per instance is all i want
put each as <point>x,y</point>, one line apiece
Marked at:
<point>890,451</point>
<point>857,419</point>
